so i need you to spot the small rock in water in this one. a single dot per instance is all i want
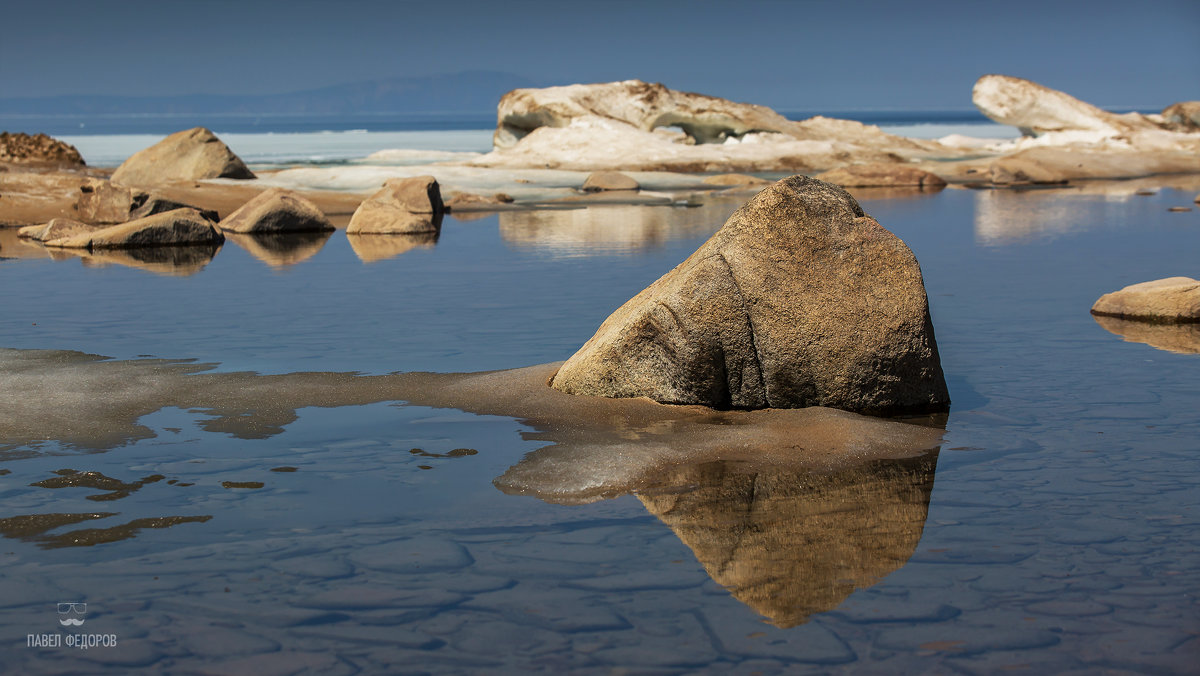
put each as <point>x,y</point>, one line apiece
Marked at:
<point>1170,300</point>
<point>609,180</point>
<point>1179,209</point>
<point>402,206</point>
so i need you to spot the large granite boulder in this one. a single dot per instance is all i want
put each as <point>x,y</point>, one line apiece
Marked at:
<point>277,211</point>
<point>189,155</point>
<point>1170,300</point>
<point>882,175</point>
<point>38,150</point>
<point>173,228</point>
<point>800,299</point>
<point>403,206</point>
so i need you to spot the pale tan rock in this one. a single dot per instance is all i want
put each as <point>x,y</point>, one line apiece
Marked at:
<point>1170,300</point>
<point>103,203</point>
<point>276,211</point>
<point>881,175</point>
<point>1184,115</point>
<point>402,206</point>
<point>189,155</point>
<point>173,228</point>
<point>800,299</point>
<point>57,228</point>
<point>1036,110</point>
<point>642,105</point>
<point>735,180</point>
<point>609,180</point>
<point>465,201</point>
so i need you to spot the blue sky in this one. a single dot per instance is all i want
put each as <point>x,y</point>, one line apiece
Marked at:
<point>797,55</point>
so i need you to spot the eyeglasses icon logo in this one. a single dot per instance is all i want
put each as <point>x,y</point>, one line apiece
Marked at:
<point>67,608</point>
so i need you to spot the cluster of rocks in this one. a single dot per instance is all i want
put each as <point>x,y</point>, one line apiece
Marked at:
<point>37,150</point>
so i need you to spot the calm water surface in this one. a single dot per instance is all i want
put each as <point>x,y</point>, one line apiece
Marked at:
<point>1055,531</point>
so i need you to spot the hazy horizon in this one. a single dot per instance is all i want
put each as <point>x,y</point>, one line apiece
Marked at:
<point>786,55</point>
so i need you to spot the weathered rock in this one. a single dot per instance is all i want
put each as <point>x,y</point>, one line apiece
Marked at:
<point>276,211</point>
<point>38,149</point>
<point>735,180</point>
<point>882,175</point>
<point>1170,300</point>
<point>103,203</point>
<point>1036,110</point>
<point>619,125</point>
<point>465,201</point>
<point>402,206</point>
<point>645,106</point>
<point>800,299</point>
<point>609,180</point>
<point>173,228</point>
<point>157,204</point>
<point>1062,164</point>
<point>57,228</point>
<point>1184,115</point>
<point>188,155</point>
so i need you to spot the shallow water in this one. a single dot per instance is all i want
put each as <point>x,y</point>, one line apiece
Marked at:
<point>1055,531</point>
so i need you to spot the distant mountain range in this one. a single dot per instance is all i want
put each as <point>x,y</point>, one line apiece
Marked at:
<point>472,92</point>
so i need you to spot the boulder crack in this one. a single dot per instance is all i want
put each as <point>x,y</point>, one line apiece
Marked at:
<point>753,340</point>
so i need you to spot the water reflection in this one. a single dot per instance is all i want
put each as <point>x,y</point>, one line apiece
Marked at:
<point>280,250</point>
<point>171,261</point>
<point>612,228</point>
<point>371,248</point>
<point>1179,338</point>
<point>790,544</point>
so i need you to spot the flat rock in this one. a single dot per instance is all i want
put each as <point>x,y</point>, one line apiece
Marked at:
<point>189,155</point>
<point>881,175</point>
<point>465,201</point>
<point>800,299</point>
<point>173,228</point>
<point>1036,110</point>
<point>1170,300</point>
<point>277,211</point>
<point>57,228</point>
<point>609,180</point>
<point>37,149</point>
<point>402,206</point>
<point>735,180</point>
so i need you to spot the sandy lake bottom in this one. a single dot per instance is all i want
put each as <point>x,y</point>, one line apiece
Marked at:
<point>1055,530</point>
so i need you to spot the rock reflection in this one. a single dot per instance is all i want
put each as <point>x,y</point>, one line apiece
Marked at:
<point>612,228</point>
<point>281,250</point>
<point>172,261</point>
<point>35,528</point>
<point>371,248</point>
<point>790,544</point>
<point>1178,338</point>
